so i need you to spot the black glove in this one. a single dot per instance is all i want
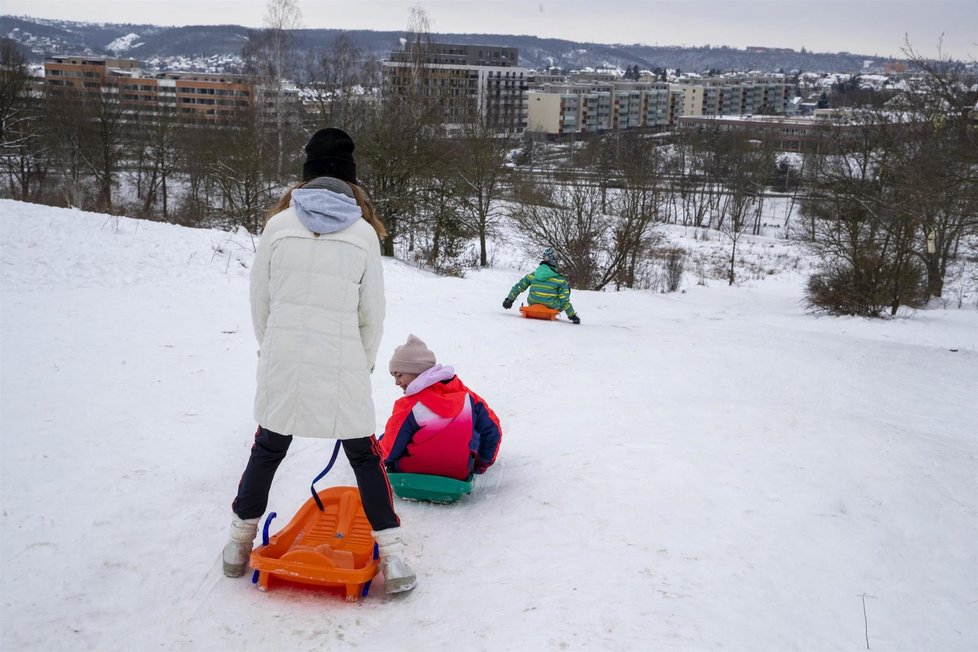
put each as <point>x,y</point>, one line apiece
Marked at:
<point>507,303</point>
<point>575,319</point>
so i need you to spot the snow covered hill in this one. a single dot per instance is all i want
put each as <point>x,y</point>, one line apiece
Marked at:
<point>714,469</point>
<point>199,44</point>
<point>124,43</point>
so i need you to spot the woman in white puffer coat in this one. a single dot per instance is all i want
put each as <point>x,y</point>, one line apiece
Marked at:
<point>317,305</point>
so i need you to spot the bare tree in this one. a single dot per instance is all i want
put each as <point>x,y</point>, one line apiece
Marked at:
<point>21,125</point>
<point>243,173</point>
<point>567,216</point>
<point>418,43</point>
<point>478,173</point>
<point>336,81</point>
<point>936,166</point>
<point>64,141</point>
<point>103,143</point>
<point>602,225</point>
<point>398,154</point>
<point>638,206</point>
<point>14,96</point>
<point>742,199</point>
<point>600,159</point>
<point>156,139</point>
<point>400,144</point>
<point>696,169</point>
<point>270,54</point>
<point>864,240</point>
<point>198,144</point>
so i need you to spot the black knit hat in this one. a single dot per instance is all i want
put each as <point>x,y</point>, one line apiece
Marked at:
<point>329,153</point>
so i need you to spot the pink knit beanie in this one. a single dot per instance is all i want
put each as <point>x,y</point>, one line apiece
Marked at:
<point>412,357</point>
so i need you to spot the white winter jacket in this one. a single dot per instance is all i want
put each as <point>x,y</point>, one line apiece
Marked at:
<point>317,305</point>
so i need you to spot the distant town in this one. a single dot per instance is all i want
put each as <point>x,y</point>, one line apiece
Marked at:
<point>489,81</point>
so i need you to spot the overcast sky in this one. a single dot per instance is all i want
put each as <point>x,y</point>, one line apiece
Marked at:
<point>860,26</point>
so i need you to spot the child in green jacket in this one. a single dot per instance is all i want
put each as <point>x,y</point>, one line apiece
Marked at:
<point>547,287</point>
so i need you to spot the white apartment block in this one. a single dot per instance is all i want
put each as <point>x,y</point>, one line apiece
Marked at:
<point>735,95</point>
<point>601,106</point>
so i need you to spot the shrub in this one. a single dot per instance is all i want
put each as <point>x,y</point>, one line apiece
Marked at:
<point>674,264</point>
<point>868,290</point>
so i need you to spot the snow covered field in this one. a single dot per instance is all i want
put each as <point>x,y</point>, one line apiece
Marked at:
<point>714,469</point>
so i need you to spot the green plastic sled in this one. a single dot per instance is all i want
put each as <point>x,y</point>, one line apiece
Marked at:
<point>432,488</point>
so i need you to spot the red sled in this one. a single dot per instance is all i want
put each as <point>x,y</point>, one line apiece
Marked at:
<point>539,311</point>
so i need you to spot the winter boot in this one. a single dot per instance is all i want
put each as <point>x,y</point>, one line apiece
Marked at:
<point>238,550</point>
<point>398,576</point>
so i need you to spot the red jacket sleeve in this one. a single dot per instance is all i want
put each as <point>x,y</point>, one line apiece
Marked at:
<point>402,408</point>
<point>489,431</point>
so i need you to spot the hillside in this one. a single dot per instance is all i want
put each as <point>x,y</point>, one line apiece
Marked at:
<point>38,38</point>
<point>713,469</point>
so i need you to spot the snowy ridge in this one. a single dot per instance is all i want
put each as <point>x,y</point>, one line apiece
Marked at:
<point>712,469</point>
<point>47,37</point>
<point>124,43</point>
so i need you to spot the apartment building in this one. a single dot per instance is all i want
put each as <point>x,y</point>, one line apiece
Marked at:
<point>209,96</point>
<point>567,108</point>
<point>84,72</point>
<point>468,81</point>
<point>735,95</point>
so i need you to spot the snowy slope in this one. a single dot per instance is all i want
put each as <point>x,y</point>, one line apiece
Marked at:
<point>124,43</point>
<point>707,470</point>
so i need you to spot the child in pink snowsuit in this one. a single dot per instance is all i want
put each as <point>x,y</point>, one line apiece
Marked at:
<point>440,426</point>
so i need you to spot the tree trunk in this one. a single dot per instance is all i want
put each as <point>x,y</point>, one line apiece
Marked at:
<point>733,257</point>
<point>150,192</point>
<point>165,215</point>
<point>935,277</point>
<point>105,196</point>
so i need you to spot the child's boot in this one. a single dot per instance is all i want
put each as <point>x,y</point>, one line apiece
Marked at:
<point>238,549</point>
<point>398,576</point>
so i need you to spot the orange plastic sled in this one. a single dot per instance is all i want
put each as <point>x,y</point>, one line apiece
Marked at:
<point>333,547</point>
<point>539,311</point>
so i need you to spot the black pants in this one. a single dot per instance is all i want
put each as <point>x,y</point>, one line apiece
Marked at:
<point>363,453</point>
